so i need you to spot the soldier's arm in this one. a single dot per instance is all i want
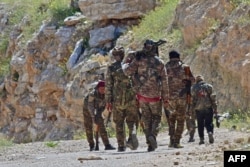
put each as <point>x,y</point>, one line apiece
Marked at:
<point>212,95</point>
<point>109,82</point>
<point>130,68</point>
<point>164,83</point>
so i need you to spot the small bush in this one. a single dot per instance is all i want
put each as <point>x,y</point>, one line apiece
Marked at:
<point>52,144</point>
<point>5,142</point>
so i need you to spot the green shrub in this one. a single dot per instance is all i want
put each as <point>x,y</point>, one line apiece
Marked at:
<point>5,142</point>
<point>52,144</point>
<point>154,24</point>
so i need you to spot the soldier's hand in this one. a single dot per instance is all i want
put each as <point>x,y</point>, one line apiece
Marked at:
<point>166,103</point>
<point>109,107</point>
<point>215,112</point>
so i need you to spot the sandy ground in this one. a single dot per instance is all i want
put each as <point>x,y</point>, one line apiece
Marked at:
<point>67,153</point>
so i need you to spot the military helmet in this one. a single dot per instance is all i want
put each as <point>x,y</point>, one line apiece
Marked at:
<point>118,51</point>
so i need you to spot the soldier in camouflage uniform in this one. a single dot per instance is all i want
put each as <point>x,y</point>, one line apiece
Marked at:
<point>179,74</point>
<point>204,104</point>
<point>121,100</point>
<point>94,105</point>
<point>152,89</point>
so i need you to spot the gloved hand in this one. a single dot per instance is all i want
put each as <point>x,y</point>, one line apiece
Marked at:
<point>109,107</point>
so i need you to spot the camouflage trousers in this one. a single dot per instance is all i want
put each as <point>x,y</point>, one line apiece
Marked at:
<point>89,128</point>
<point>122,114</point>
<point>151,117</point>
<point>190,124</point>
<point>177,118</point>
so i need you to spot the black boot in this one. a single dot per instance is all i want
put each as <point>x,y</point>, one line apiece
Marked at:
<point>91,147</point>
<point>171,143</point>
<point>121,149</point>
<point>150,148</point>
<point>210,137</point>
<point>152,142</point>
<point>201,141</point>
<point>109,147</point>
<point>132,142</point>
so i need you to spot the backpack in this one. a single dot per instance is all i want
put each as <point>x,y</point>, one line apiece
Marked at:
<point>202,94</point>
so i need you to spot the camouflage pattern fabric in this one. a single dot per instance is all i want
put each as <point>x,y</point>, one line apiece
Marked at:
<point>88,125</point>
<point>151,75</point>
<point>178,100</point>
<point>96,105</point>
<point>119,92</point>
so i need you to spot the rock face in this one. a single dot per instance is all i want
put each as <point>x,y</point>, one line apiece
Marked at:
<point>115,9</point>
<point>223,53</point>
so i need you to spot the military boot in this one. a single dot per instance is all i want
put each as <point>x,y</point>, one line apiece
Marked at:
<point>132,142</point>
<point>201,141</point>
<point>109,147</point>
<point>191,138</point>
<point>91,147</point>
<point>152,142</point>
<point>177,144</point>
<point>121,149</point>
<point>210,137</point>
<point>171,143</point>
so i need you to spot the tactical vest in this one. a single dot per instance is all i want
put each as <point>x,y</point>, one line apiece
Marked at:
<point>202,92</point>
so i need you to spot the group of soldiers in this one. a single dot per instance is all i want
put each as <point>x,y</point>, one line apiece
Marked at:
<point>137,88</point>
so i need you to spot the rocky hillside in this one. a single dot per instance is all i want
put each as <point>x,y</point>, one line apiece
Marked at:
<point>42,97</point>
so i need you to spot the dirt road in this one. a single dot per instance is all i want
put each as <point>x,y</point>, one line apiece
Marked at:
<point>67,153</point>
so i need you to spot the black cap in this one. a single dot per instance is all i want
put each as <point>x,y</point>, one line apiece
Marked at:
<point>174,54</point>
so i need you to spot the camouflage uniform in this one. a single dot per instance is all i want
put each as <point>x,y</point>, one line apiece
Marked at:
<point>177,77</point>
<point>152,88</point>
<point>94,105</point>
<point>205,105</point>
<point>120,94</point>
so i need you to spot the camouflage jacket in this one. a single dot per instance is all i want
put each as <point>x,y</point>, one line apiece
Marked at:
<point>151,75</point>
<point>95,103</point>
<point>178,73</point>
<point>118,87</point>
<point>203,96</point>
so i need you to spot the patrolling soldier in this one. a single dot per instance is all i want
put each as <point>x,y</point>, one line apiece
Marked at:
<point>204,104</point>
<point>94,105</point>
<point>151,89</point>
<point>179,80</point>
<point>121,100</point>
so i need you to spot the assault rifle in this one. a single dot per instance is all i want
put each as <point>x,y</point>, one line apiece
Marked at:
<point>153,49</point>
<point>217,118</point>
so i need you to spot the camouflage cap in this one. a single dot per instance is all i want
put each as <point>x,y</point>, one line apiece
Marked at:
<point>199,78</point>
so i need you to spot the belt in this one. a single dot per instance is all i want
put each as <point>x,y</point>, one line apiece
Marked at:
<point>147,99</point>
